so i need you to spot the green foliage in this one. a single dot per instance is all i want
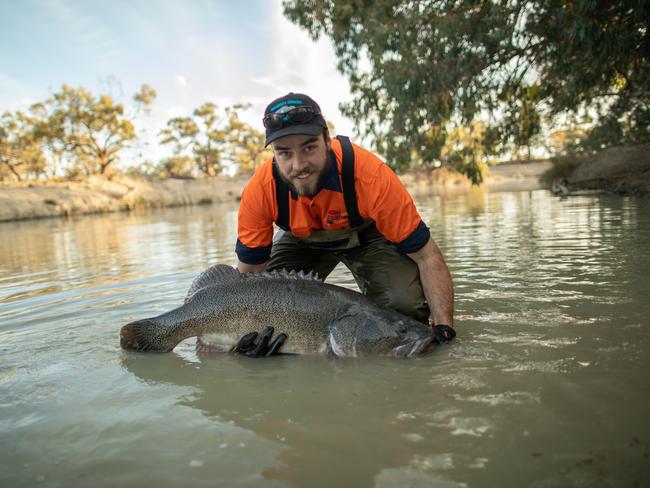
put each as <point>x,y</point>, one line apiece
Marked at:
<point>200,135</point>
<point>210,138</point>
<point>245,145</point>
<point>416,67</point>
<point>145,97</point>
<point>464,150</point>
<point>175,167</point>
<point>90,131</point>
<point>563,168</point>
<point>21,154</point>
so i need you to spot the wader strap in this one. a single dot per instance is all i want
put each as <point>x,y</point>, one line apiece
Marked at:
<point>282,199</point>
<point>347,174</point>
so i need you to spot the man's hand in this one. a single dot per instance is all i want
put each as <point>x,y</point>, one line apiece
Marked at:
<point>443,333</point>
<point>264,347</point>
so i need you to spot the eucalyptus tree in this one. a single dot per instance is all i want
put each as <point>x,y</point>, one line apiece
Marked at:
<point>200,135</point>
<point>419,68</point>
<point>246,148</point>
<point>91,131</point>
<point>212,139</point>
<point>21,149</point>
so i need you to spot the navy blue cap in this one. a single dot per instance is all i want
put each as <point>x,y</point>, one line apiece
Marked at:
<point>314,127</point>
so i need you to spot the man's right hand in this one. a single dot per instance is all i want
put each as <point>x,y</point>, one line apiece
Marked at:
<point>443,333</point>
<point>264,347</point>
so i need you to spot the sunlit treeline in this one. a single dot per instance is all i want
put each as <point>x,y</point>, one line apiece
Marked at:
<point>75,132</point>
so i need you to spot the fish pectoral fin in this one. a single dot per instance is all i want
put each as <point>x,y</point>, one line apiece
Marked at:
<point>330,352</point>
<point>334,350</point>
<point>343,333</point>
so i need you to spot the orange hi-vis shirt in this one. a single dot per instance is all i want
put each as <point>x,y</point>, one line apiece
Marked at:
<point>381,197</point>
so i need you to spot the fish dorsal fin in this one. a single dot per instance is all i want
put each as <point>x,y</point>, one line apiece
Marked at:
<point>214,275</point>
<point>283,274</point>
<point>222,273</point>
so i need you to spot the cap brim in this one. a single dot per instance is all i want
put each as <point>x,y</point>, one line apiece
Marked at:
<point>292,130</point>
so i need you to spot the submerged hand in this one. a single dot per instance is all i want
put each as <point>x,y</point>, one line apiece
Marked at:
<point>443,333</point>
<point>264,346</point>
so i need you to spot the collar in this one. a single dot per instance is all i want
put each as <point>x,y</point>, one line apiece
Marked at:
<point>331,182</point>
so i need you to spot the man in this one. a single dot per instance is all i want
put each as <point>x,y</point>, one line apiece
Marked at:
<point>337,202</point>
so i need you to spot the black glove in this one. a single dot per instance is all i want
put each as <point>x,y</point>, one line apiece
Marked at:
<point>443,333</point>
<point>264,347</point>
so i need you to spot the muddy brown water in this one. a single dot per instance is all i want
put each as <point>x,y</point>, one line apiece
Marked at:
<point>546,385</point>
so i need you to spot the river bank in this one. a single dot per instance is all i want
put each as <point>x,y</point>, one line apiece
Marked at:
<point>116,193</point>
<point>624,170</point>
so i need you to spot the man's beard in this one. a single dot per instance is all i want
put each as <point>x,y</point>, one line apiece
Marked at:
<point>308,190</point>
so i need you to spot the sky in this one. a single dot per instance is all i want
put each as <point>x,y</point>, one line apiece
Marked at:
<point>191,52</point>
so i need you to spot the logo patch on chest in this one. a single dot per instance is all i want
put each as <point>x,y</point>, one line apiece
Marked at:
<point>333,216</point>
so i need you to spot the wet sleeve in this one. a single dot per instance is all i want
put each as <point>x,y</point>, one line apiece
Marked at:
<point>254,225</point>
<point>391,207</point>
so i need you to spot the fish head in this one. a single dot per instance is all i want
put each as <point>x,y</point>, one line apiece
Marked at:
<point>144,335</point>
<point>403,337</point>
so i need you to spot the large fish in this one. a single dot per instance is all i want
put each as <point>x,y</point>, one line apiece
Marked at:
<point>222,305</point>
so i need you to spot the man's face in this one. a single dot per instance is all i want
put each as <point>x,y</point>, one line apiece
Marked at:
<point>302,161</point>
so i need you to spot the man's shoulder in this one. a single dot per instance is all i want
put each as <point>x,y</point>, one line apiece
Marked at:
<point>261,185</point>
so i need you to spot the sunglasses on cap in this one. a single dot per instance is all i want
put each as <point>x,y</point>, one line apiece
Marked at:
<point>296,115</point>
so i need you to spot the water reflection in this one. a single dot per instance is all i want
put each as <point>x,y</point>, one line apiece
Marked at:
<point>322,415</point>
<point>53,256</point>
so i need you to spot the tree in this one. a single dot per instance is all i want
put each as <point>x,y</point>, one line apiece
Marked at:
<point>432,63</point>
<point>212,139</point>
<point>175,167</point>
<point>464,150</point>
<point>201,136</point>
<point>21,153</point>
<point>90,131</point>
<point>245,147</point>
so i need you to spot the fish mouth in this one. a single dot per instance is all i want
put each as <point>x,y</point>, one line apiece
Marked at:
<point>134,337</point>
<point>412,348</point>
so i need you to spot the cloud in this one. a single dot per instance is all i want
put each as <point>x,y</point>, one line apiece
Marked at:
<point>262,80</point>
<point>8,83</point>
<point>191,53</point>
<point>89,35</point>
<point>180,80</point>
<point>14,95</point>
<point>302,65</point>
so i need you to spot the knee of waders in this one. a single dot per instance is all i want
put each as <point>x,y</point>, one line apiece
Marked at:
<point>410,302</point>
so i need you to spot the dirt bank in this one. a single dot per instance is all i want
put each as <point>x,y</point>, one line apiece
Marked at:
<point>503,177</point>
<point>119,192</point>
<point>623,170</point>
<point>97,194</point>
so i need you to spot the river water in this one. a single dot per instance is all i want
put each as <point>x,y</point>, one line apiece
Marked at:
<point>546,384</point>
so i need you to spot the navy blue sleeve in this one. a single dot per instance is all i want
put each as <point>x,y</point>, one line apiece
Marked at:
<point>252,255</point>
<point>416,241</point>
